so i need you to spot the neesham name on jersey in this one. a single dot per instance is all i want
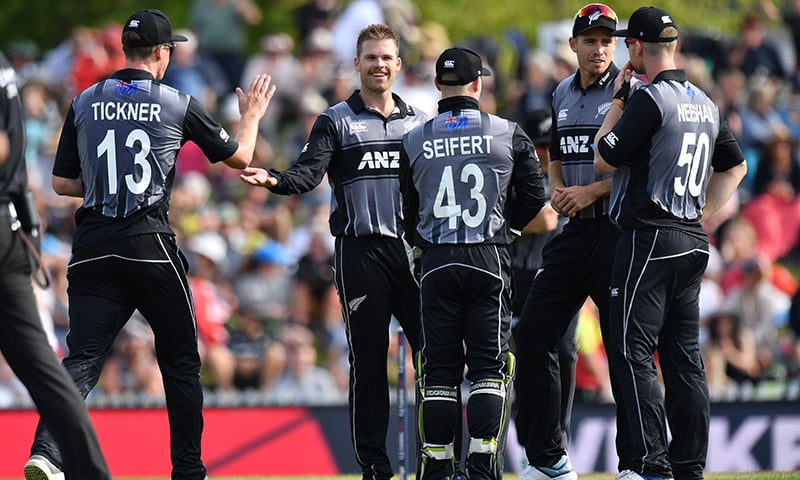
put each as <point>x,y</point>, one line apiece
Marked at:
<point>451,146</point>
<point>696,113</point>
<point>141,112</point>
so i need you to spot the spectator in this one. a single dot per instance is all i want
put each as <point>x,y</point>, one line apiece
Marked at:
<point>759,119</point>
<point>95,55</point>
<point>730,94</point>
<point>775,217</point>
<point>355,16</point>
<point>313,14</point>
<point>314,301</point>
<point>761,306</point>
<point>276,57</point>
<point>259,359</point>
<point>265,282</point>
<point>778,168</point>
<point>42,125</point>
<point>132,367</point>
<point>311,105</point>
<point>755,55</point>
<point>729,353</point>
<point>191,73</point>
<point>303,381</point>
<point>538,83</point>
<point>317,60</point>
<point>221,29</point>
<point>213,306</point>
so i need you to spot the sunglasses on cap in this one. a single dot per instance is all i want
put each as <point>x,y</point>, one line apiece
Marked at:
<point>594,8</point>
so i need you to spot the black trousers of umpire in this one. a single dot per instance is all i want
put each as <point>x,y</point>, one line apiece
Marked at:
<point>25,346</point>
<point>576,264</point>
<point>374,282</point>
<point>655,287</point>
<point>107,282</point>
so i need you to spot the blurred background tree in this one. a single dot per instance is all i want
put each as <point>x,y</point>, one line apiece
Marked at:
<point>49,22</point>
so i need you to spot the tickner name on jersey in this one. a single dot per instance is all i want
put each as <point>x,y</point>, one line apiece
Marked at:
<point>141,112</point>
<point>451,146</point>
<point>696,113</point>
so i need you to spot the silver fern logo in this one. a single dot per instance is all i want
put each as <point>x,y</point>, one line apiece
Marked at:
<point>355,303</point>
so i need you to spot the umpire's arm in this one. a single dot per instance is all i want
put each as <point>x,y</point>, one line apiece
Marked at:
<point>527,180</point>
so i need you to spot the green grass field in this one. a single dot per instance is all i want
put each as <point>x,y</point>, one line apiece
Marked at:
<point>594,476</point>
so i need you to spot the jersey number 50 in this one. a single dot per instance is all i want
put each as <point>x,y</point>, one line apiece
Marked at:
<point>445,205</point>
<point>108,147</point>
<point>694,155</point>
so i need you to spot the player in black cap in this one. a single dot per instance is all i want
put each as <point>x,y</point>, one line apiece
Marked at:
<point>675,162</point>
<point>470,182</point>
<point>117,152</point>
<point>576,264</point>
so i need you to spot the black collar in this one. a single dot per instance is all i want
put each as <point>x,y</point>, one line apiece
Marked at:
<point>667,75</point>
<point>451,104</point>
<point>130,74</point>
<point>608,76</point>
<point>358,105</point>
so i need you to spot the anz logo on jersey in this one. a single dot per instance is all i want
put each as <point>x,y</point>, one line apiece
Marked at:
<point>455,123</point>
<point>379,160</point>
<point>576,144</point>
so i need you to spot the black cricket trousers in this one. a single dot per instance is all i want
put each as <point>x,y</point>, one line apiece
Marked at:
<point>654,304</point>
<point>107,282</point>
<point>25,346</point>
<point>374,282</point>
<point>576,264</point>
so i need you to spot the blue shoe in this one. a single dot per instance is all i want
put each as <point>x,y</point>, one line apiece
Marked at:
<point>561,470</point>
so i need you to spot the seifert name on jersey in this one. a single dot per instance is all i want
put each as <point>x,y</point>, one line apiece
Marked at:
<point>450,146</point>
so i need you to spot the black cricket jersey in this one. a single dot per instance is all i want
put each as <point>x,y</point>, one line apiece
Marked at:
<point>13,174</point>
<point>360,151</point>
<point>121,136</point>
<point>577,115</point>
<point>665,145</point>
<point>469,177</point>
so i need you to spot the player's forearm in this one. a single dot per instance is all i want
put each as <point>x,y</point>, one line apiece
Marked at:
<point>5,147</point>
<point>69,187</point>
<point>721,186</point>
<point>246,137</point>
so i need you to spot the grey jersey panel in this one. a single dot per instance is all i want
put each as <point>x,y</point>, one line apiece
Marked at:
<point>681,150</point>
<point>579,115</point>
<point>364,172</point>
<point>129,135</point>
<point>462,167</point>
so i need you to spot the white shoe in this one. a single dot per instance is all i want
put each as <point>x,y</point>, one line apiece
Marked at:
<point>561,470</point>
<point>631,475</point>
<point>40,468</point>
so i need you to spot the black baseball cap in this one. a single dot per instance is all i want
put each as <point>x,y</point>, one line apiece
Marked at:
<point>594,15</point>
<point>646,24</point>
<point>153,27</point>
<point>464,63</point>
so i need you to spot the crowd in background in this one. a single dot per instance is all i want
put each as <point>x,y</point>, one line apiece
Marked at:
<point>268,317</point>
